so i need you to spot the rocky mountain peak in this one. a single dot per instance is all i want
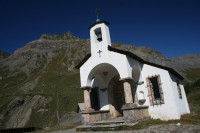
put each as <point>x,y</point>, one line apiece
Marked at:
<point>65,36</point>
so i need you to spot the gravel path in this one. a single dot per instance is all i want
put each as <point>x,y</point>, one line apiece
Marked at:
<point>171,128</point>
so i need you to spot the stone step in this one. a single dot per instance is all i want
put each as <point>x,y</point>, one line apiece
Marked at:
<point>110,127</point>
<point>117,120</point>
<point>106,122</point>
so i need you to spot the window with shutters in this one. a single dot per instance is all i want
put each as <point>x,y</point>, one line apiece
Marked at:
<point>155,91</point>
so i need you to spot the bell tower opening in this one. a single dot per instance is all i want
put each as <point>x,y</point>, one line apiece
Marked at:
<point>98,34</point>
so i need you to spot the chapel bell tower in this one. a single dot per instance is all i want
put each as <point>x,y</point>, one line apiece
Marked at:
<point>99,38</point>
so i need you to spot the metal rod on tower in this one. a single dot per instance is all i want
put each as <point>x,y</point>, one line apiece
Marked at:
<point>97,13</point>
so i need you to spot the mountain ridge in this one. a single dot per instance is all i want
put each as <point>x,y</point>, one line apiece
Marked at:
<point>42,73</point>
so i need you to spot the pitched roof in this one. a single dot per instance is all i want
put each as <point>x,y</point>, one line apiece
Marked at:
<point>127,53</point>
<point>98,22</point>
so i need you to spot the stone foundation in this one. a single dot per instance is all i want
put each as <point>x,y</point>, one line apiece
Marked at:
<point>95,116</point>
<point>133,112</point>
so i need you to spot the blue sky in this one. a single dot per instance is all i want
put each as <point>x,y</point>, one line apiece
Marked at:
<point>169,26</point>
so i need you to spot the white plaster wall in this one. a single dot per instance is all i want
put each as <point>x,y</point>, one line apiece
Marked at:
<point>118,61</point>
<point>182,104</point>
<point>134,65</point>
<point>169,109</point>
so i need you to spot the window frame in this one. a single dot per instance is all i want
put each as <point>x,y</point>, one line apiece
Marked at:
<point>153,101</point>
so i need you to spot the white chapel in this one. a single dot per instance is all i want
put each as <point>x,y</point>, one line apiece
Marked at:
<point>117,83</point>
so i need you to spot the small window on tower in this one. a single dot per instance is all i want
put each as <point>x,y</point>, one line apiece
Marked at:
<point>98,34</point>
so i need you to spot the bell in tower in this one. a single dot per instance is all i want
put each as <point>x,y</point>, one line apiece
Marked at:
<point>98,34</point>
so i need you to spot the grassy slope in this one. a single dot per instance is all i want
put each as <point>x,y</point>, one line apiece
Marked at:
<point>63,87</point>
<point>55,81</point>
<point>193,89</point>
<point>193,74</point>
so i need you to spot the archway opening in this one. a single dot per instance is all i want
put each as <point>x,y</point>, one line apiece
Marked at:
<point>106,88</point>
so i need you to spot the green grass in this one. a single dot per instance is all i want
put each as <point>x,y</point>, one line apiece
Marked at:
<point>55,81</point>
<point>13,81</point>
<point>193,95</point>
<point>61,85</point>
<point>193,118</point>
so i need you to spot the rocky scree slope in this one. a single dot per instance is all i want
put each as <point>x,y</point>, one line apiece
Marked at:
<point>40,87</point>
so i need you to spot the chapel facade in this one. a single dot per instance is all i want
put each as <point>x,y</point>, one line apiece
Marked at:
<point>117,83</point>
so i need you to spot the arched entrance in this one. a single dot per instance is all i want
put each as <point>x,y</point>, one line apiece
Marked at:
<point>107,91</point>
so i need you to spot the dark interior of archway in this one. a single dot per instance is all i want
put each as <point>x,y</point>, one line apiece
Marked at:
<point>116,93</point>
<point>94,97</point>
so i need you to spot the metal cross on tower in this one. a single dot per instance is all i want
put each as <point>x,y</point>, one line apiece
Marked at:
<point>99,52</point>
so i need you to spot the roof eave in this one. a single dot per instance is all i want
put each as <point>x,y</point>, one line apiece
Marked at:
<point>83,61</point>
<point>99,22</point>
